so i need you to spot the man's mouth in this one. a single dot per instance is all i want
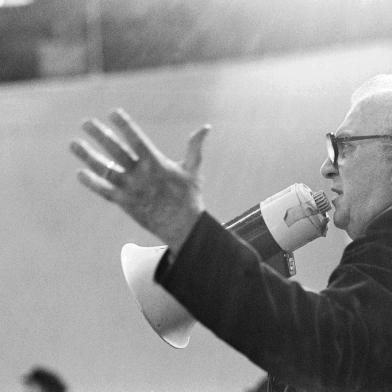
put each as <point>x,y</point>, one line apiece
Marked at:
<point>338,191</point>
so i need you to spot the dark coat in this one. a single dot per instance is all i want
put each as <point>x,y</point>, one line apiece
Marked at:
<point>337,340</point>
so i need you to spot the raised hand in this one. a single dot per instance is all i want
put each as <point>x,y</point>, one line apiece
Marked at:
<point>162,195</point>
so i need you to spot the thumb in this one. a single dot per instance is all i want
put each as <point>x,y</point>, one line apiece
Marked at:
<point>193,154</point>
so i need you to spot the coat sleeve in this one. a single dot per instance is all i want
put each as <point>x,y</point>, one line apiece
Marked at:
<point>311,341</point>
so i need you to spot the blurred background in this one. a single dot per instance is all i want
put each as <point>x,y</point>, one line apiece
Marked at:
<point>272,77</point>
<point>46,38</point>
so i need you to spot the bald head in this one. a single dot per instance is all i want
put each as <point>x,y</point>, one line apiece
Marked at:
<point>374,112</point>
<point>372,105</point>
<point>374,85</point>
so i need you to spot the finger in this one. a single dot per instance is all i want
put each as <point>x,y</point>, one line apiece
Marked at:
<point>137,139</point>
<point>99,186</point>
<point>110,142</point>
<point>98,163</point>
<point>193,155</point>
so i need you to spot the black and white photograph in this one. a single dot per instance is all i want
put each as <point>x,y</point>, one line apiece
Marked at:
<point>196,195</point>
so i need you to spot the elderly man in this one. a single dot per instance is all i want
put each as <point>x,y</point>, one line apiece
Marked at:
<point>337,340</point>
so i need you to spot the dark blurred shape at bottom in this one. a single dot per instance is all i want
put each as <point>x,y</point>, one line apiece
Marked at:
<point>41,379</point>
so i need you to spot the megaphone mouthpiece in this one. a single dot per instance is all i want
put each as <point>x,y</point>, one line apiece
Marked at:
<point>322,202</point>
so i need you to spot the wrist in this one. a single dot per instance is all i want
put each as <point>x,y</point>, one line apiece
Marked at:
<point>180,229</point>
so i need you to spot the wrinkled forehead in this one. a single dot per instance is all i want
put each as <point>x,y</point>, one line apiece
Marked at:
<point>372,114</point>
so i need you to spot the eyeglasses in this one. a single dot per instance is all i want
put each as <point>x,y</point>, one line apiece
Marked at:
<point>333,143</point>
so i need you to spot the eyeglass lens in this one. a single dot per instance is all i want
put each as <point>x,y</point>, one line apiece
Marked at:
<point>331,148</point>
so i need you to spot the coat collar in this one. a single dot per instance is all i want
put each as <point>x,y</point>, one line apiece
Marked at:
<point>381,221</point>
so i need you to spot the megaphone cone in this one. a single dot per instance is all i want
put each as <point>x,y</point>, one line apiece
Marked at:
<point>169,319</point>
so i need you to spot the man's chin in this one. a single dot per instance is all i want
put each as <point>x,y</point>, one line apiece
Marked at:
<point>339,219</point>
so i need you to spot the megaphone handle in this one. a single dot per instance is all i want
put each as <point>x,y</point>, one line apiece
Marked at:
<point>250,226</point>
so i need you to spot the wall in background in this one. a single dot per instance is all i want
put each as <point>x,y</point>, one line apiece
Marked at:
<point>65,38</point>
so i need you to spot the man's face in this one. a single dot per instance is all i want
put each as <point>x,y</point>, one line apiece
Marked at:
<point>362,178</point>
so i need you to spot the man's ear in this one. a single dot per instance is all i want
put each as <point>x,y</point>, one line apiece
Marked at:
<point>388,157</point>
<point>387,151</point>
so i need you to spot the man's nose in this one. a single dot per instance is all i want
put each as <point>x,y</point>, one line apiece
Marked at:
<point>328,169</point>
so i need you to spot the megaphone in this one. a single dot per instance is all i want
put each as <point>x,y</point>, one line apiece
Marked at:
<point>275,227</point>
